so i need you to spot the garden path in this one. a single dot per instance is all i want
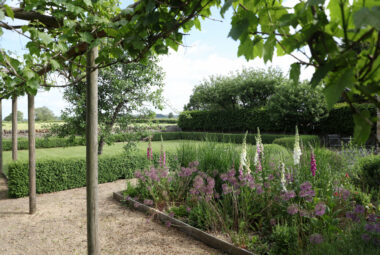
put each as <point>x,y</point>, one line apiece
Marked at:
<point>59,226</point>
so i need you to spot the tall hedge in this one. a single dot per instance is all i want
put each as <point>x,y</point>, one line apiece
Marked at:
<point>338,121</point>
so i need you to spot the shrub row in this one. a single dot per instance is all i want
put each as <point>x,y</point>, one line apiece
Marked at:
<point>288,142</point>
<point>338,121</point>
<point>164,120</point>
<point>58,174</point>
<point>53,142</point>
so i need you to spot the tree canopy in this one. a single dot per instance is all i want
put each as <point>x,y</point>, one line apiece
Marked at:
<point>44,114</point>
<point>20,116</point>
<point>249,88</point>
<point>124,91</point>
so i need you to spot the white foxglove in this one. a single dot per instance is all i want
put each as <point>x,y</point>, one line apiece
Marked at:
<point>283,180</point>
<point>297,149</point>
<point>244,162</point>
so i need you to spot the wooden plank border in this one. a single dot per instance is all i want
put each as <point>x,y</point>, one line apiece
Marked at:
<point>200,235</point>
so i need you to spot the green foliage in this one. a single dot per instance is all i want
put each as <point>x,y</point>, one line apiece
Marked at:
<point>338,121</point>
<point>288,142</point>
<point>297,105</point>
<point>158,121</point>
<point>284,238</point>
<point>20,117</point>
<point>55,175</point>
<point>44,114</point>
<point>123,90</point>
<point>246,89</point>
<point>336,37</point>
<point>369,172</point>
<point>51,142</point>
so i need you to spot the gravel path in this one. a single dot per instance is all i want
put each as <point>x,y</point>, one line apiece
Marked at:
<point>59,226</point>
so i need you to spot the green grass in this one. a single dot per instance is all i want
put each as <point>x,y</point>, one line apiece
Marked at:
<point>80,151</point>
<point>7,125</point>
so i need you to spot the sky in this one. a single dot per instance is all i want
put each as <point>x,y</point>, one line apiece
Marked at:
<point>205,53</point>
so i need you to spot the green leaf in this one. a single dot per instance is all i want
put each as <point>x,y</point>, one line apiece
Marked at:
<point>362,128</point>
<point>88,2</point>
<point>9,11</point>
<point>45,38</point>
<point>365,17</point>
<point>295,71</point>
<point>315,2</point>
<point>269,46</point>
<point>225,7</point>
<point>246,49</point>
<point>320,73</point>
<point>55,64</point>
<point>336,85</point>
<point>86,37</point>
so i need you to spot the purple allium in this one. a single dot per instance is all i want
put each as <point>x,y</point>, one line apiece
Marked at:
<point>270,177</point>
<point>370,227</point>
<point>345,194</point>
<point>267,185</point>
<point>320,209</point>
<point>288,195</point>
<point>224,177</point>
<point>366,237</point>
<point>292,209</point>
<point>304,213</point>
<point>305,186</point>
<point>359,209</point>
<point>198,182</point>
<point>148,202</point>
<point>316,238</point>
<point>377,227</point>
<point>194,164</point>
<point>217,196</point>
<point>372,218</point>
<point>353,216</point>
<point>259,189</point>
<point>313,164</point>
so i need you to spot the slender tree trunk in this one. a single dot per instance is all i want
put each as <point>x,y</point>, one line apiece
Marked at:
<point>1,138</point>
<point>93,246</point>
<point>32,156</point>
<point>14,128</point>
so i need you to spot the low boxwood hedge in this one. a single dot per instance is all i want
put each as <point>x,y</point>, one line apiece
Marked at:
<point>288,142</point>
<point>369,171</point>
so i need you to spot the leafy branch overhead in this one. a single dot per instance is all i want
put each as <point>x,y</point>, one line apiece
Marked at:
<point>339,38</point>
<point>59,33</point>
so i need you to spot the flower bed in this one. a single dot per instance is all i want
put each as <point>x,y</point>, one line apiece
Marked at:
<point>266,201</point>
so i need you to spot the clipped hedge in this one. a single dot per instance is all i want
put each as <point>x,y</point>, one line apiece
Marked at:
<point>51,142</point>
<point>159,121</point>
<point>369,171</point>
<point>288,142</point>
<point>338,121</point>
<point>215,137</point>
<point>58,174</point>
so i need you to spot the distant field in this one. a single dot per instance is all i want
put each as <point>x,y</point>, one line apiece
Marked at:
<point>7,125</point>
<point>80,151</point>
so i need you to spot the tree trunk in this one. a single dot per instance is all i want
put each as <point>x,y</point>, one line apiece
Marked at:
<point>14,128</point>
<point>32,156</point>
<point>1,138</point>
<point>101,145</point>
<point>93,246</point>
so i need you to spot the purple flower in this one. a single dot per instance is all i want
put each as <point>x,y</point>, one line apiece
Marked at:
<point>148,202</point>
<point>273,221</point>
<point>316,238</point>
<point>224,177</point>
<point>320,209</point>
<point>168,224</point>
<point>305,186</point>
<point>259,189</point>
<point>370,227</point>
<point>372,217</point>
<point>270,177</point>
<point>288,195</point>
<point>171,214</point>
<point>313,164</point>
<point>188,209</point>
<point>304,213</point>
<point>136,205</point>
<point>359,209</point>
<point>292,209</point>
<point>366,237</point>
<point>352,216</point>
<point>345,194</point>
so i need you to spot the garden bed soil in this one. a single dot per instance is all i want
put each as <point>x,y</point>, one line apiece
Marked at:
<point>59,226</point>
<point>198,234</point>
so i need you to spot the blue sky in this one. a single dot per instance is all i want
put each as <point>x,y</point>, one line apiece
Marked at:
<point>207,52</point>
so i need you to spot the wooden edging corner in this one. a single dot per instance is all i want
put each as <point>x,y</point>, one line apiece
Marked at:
<point>186,228</point>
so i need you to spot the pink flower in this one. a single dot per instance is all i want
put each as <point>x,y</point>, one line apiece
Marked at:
<point>320,209</point>
<point>313,165</point>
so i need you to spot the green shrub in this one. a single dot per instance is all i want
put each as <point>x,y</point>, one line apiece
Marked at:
<point>51,142</point>
<point>369,170</point>
<point>288,142</point>
<point>56,175</point>
<point>163,120</point>
<point>338,121</point>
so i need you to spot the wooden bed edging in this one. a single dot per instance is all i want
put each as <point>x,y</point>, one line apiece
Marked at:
<point>186,228</point>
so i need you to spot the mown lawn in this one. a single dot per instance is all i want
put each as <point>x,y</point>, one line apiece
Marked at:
<point>80,151</point>
<point>7,125</point>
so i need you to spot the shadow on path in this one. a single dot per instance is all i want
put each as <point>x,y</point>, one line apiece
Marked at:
<point>3,188</point>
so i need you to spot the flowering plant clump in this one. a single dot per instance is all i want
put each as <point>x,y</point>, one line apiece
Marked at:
<point>277,208</point>
<point>149,152</point>
<point>297,149</point>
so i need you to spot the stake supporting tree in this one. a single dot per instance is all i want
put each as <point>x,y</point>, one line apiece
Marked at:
<point>14,128</point>
<point>32,156</point>
<point>92,152</point>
